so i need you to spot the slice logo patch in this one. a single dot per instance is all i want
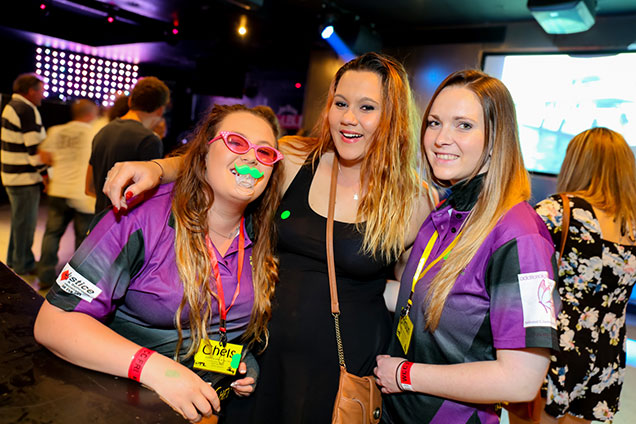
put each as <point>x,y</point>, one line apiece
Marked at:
<point>536,299</point>
<point>74,283</point>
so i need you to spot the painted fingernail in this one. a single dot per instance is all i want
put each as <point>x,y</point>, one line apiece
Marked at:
<point>116,209</point>
<point>129,195</point>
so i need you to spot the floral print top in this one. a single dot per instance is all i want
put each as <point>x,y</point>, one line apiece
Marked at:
<point>596,278</point>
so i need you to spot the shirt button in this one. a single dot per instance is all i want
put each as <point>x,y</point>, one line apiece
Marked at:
<point>458,216</point>
<point>453,230</point>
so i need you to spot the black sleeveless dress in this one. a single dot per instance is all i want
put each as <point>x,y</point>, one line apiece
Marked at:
<point>299,370</point>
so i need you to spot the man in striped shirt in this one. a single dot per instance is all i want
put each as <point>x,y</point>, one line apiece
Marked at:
<point>22,170</point>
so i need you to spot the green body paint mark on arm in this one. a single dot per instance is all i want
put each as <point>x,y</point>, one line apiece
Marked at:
<point>172,374</point>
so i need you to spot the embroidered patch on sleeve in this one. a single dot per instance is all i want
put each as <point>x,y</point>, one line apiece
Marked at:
<point>74,283</point>
<point>536,299</point>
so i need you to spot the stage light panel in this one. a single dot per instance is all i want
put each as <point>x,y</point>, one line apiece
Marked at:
<point>77,71</point>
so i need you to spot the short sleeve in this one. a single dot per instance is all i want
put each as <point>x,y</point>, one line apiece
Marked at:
<point>96,279</point>
<point>523,299</point>
<point>550,210</point>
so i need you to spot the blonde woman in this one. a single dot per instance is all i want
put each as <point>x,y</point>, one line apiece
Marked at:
<point>369,123</point>
<point>596,276</point>
<point>475,317</point>
<point>153,283</point>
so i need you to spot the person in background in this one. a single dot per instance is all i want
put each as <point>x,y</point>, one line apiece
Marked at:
<point>475,318</point>
<point>369,125</point>
<point>129,137</point>
<point>179,270</point>
<point>119,108</point>
<point>161,128</point>
<point>66,150</point>
<point>23,173</point>
<point>596,276</point>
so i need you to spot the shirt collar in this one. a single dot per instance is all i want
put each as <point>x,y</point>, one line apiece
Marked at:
<point>233,247</point>
<point>464,194</point>
<point>23,99</point>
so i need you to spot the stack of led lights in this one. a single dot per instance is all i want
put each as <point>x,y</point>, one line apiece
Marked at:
<point>69,75</point>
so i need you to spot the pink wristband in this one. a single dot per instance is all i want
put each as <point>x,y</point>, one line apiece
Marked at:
<point>405,376</point>
<point>138,362</point>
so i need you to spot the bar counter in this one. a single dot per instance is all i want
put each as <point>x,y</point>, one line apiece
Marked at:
<point>37,387</point>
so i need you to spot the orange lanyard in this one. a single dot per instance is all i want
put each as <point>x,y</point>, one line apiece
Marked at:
<point>219,285</point>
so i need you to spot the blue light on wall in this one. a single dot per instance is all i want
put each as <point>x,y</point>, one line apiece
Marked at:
<point>430,77</point>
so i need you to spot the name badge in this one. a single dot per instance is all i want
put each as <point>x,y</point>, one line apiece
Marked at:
<point>404,332</point>
<point>213,356</point>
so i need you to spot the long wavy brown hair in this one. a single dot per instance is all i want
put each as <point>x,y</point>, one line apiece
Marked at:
<point>192,199</point>
<point>506,183</point>
<point>599,165</point>
<point>389,173</point>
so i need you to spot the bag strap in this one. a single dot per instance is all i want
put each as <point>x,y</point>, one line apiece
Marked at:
<point>331,266</point>
<point>565,222</point>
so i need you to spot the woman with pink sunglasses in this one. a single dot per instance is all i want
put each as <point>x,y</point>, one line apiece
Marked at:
<point>174,293</point>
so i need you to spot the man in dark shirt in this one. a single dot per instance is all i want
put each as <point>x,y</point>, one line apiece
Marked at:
<point>129,137</point>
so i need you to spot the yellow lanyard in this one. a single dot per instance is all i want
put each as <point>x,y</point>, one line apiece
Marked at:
<point>427,251</point>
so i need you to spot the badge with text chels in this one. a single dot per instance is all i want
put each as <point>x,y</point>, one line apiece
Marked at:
<point>214,356</point>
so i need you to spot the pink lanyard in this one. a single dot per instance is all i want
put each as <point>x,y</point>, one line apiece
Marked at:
<point>219,285</point>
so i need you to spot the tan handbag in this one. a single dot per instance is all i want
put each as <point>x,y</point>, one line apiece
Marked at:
<point>359,400</point>
<point>531,411</point>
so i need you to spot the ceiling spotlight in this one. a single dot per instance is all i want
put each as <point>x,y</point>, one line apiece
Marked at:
<point>242,28</point>
<point>327,32</point>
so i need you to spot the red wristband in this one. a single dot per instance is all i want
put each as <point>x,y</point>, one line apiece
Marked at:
<point>138,362</point>
<point>405,376</point>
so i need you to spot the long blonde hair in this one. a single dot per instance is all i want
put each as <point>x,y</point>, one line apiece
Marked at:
<point>192,198</point>
<point>599,165</point>
<point>506,182</point>
<point>389,169</point>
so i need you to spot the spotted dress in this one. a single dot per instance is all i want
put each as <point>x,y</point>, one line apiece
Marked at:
<point>596,278</point>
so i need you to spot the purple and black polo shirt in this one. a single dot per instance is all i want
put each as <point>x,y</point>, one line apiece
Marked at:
<point>125,275</point>
<point>502,300</point>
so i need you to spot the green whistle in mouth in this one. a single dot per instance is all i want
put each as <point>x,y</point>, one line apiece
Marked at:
<point>246,169</point>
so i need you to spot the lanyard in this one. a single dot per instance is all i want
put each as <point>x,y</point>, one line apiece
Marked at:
<point>427,251</point>
<point>217,277</point>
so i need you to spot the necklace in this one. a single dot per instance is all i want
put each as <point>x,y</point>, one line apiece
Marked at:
<point>355,195</point>
<point>233,234</point>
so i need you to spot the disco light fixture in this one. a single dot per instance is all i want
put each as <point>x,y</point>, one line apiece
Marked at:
<point>68,75</point>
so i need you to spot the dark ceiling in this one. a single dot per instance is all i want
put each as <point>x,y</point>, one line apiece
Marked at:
<point>280,31</point>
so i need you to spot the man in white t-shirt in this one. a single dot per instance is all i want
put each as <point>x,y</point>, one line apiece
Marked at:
<point>67,149</point>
